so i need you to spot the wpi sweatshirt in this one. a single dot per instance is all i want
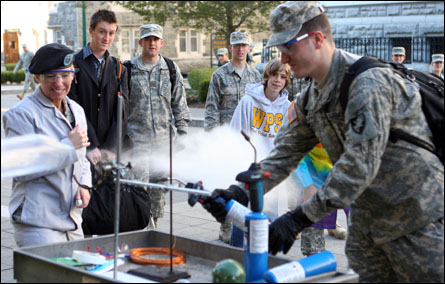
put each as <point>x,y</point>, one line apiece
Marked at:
<point>259,117</point>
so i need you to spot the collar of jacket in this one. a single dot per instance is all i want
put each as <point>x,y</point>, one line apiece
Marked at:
<point>322,93</point>
<point>139,64</point>
<point>231,69</point>
<point>86,52</point>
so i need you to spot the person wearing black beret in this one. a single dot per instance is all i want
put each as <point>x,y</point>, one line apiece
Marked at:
<point>47,207</point>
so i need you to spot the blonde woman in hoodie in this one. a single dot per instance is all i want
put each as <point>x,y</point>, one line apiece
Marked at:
<point>260,113</point>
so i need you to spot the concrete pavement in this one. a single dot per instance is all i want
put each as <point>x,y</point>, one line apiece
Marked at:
<point>187,221</point>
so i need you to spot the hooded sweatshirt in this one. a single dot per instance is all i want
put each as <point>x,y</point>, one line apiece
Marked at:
<point>259,117</point>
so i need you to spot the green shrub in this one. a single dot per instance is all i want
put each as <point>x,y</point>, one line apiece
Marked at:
<point>199,80</point>
<point>198,75</point>
<point>18,77</point>
<point>203,89</point>
<point>10,66</point>
<point>13,78</point>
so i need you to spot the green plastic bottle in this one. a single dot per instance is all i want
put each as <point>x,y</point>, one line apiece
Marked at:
<point>228,271</point>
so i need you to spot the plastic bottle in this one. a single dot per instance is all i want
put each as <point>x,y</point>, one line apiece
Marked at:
<point>298,270</point>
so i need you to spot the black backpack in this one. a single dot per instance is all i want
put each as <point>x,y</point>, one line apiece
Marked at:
<point>431,91</point>
<point>171,70</point>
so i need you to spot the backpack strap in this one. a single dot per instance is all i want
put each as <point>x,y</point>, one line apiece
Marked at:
<point>172,71</point>
<point>127,64</point>
<point>119,75</point>
<point>361,65</point>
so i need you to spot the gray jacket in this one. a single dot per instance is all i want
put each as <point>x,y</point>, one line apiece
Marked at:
<point>47,197</point>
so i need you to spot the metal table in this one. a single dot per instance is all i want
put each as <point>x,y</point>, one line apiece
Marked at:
<point>32,264</point>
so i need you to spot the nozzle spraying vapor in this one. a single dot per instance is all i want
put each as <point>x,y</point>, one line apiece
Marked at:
<point>248,140</point>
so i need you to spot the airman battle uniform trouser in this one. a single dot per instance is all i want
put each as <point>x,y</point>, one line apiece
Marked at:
<point>393,261</point>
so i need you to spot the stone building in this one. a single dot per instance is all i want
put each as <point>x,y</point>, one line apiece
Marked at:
<point>362,27</point>
<point>189,48</point>
<point>374,27</point>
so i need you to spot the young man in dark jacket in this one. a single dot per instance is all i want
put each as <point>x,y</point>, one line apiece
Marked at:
<point>96,86</point>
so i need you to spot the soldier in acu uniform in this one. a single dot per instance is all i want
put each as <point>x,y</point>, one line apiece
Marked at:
<point>398,54</point>
<point>223,56</point>
<point>154,104</point>
<point>394,188</point>
<point>227,87</point>
<point>25,60</point>
<point>228,83</point>
<point>437,63</point>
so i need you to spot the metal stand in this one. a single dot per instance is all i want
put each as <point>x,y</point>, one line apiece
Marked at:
<point>154,273</point>
<point>118,185</point>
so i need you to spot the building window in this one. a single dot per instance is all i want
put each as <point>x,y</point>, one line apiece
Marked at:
<point>125,41</point>
<point>182,41</point>
<point>436,44</point>
<point>136,36</point>
<point>193,41</point>
<point>58,37</point>
<point>189,41</point>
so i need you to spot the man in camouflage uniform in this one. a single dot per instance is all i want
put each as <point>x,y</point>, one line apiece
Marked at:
<point>223,56</point>
<point>398,54</point>
<point>228,83</point>
<point>437,63</point>
<point>395,188</point>
<point>227,87</point>
<point>25,60</point>
<point>154,105</point>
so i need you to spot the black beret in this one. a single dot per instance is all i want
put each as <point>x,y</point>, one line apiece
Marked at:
<point>49,57</point>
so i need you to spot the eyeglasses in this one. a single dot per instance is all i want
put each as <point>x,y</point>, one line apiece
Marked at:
<point>64,75</point>
<point>289,46</point>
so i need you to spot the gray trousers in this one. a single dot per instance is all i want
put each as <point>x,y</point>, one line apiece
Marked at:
<point>29,82</point>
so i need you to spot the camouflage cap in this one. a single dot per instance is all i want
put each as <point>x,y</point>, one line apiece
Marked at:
<point>239,38</point>
<point>437,57</point>
<point>287,19</point>
<point>398,50</point>
<point>151,30</point>
<point>222,51</point>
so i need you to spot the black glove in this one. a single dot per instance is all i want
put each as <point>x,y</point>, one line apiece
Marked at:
<point>284,230</point>
<point>216,204</point>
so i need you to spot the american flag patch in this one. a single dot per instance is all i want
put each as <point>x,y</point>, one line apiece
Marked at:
<point>292,112</point>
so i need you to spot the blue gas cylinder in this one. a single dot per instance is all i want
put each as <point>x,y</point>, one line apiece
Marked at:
<point>256,251</point>
<point>298,270</point>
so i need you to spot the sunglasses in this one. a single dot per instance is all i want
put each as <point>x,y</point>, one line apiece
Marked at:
<point>288,47</point>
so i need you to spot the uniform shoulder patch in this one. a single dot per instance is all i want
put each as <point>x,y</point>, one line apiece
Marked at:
<point>292,112</point>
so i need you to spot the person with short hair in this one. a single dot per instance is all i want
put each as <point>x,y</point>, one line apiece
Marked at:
<point>437,63</point>
<point>398,54</point>
<point>96,87</point>
<point>43,205</point>
<point>155,102</point>
<point>395,189</point>
<point>260,114</point>
<point>25,60</point>
<point>228,83</point>
<point>223,56</point>
<point>227,87</point>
